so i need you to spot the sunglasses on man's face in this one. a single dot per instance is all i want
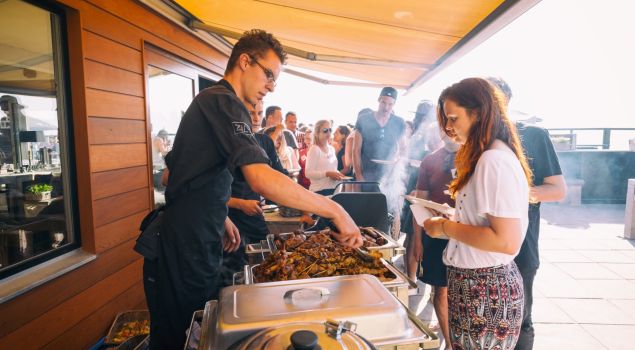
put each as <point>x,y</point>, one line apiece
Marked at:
<point>326,130</point>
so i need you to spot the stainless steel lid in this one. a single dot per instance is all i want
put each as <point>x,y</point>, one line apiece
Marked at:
<point>361,299</point>
<point>330,335</point>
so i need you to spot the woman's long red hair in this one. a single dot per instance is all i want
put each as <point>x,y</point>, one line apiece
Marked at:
<point>479,96</point>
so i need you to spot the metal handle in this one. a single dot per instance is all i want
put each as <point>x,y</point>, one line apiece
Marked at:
<point>307,292</point>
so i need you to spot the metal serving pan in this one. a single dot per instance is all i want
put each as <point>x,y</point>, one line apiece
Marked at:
<point>388,250</point>
<point>398,286</point>
<point>243,310</point>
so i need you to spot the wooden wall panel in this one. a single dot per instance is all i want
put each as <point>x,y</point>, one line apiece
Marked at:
<point>106,41</point>
<point>113,208</point>
<point>107,104</point>
<point>109,183</point>
<point>101,49</point>
<point>104,77</point>
<point>156,26</point>
<point>92,328</point>
<point>110,157</point>
<point>112,131</point>
<point>112,234</point>
<point>19,311</point>
<point>54,322</point>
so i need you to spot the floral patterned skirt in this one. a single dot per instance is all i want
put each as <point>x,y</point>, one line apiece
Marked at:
<point>485,307</point>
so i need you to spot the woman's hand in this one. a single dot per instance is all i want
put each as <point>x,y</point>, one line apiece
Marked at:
<point>231,241</point>
<point>435,227</point>
<point>335,175</point>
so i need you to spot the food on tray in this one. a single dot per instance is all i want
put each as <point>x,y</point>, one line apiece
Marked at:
<point>318,255</point>
<point>372,238</point>
<point>130,329</point>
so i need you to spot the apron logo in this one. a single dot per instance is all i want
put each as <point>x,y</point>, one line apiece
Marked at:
<point>241,128</point>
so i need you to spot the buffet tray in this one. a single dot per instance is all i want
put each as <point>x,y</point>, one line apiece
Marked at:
<point>388,250</point>
<point>398,286</point>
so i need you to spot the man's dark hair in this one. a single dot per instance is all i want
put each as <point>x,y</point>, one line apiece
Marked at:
<point>256,43</point>
<point>288,114</point>
<point>271,109</point>
<point>501,84</point>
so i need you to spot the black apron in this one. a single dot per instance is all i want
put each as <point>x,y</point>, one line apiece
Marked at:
<point>188,267</point>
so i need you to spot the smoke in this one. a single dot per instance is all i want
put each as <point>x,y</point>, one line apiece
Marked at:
<point>401,178</point>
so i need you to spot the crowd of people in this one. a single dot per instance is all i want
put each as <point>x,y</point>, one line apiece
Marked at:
<point>463,150</point>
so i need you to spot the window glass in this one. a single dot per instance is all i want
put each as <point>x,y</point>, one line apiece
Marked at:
<point>35,196</point>
<point>169,97</point>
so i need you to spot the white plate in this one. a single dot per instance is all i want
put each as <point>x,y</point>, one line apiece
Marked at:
<point>441,208</point>
<point>347,178</point>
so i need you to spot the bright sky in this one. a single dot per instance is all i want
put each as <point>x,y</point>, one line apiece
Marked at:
<point>568,62</point>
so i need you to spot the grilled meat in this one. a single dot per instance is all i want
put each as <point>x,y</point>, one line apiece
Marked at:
<point>318,255</point>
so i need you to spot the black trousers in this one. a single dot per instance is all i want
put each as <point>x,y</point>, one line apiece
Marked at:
<point>526,338</point>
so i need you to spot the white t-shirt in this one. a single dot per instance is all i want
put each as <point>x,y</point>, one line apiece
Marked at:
<point>499,188</point>
<point>317,164</point>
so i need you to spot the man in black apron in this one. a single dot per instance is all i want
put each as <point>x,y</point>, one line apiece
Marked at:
<point>213,144</point>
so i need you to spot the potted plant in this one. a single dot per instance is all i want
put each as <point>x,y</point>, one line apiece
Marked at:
<point>39,192</point>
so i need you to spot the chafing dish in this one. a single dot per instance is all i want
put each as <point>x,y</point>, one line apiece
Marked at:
<point>398,286</point>
<point>361,300</point>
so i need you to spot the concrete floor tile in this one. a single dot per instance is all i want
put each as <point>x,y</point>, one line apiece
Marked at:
<point>609,289</point>
<point>613,337</point>
<point>546,311</point>
<point>594,311</point>
<point>551,336</point>
<point>585,244</point>
<point>607,256</point>
<point>552,244</point>
<point>629,253</point>
<point>587,271</point>
<point>625,305</point>
<point>565,289</point>
<point>620,244</point>
<point>626,271</point>
<point>563,256</point>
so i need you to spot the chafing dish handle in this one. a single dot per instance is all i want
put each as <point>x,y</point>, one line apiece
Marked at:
<point>322,292</point>
<point>209,320</point>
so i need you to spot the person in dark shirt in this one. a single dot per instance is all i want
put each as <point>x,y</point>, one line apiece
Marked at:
<point>214,144</point>
<point>339,137</point>
<point>435,174</point>
<point>379,136</point>
<point>244,204</point>
<point>549,186</point>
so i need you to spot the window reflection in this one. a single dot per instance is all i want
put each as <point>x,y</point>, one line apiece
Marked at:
<point>169,96</point>
<point>34,221</point>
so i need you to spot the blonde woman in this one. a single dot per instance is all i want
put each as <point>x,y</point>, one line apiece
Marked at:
<point>321,161</point>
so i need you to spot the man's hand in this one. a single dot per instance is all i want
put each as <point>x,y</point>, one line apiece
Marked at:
<point>250,207</point>
<point>231,241</point>
<point>347,231</point>
<point>434,227</point>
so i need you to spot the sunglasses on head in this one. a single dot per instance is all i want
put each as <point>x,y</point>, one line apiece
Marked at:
<point>326,130</point>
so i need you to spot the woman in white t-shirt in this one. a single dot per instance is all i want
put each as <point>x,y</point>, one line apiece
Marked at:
<point>491,190</point>
<point>321,161</point>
